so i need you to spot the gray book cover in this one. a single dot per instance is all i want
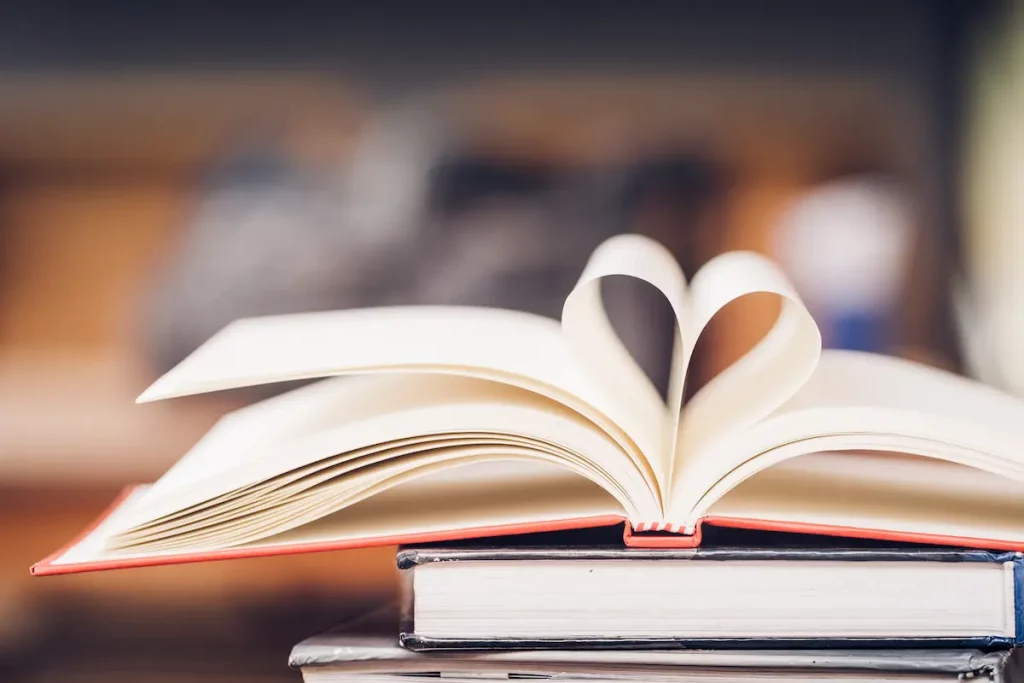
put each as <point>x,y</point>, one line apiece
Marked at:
<point>366,649</point>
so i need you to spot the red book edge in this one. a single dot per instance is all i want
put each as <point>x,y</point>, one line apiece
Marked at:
<point>630,538</point>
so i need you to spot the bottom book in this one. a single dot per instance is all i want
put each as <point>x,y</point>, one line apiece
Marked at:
<point>341,656</point>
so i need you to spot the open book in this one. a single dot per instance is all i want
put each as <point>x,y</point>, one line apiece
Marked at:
<point>466,422</point>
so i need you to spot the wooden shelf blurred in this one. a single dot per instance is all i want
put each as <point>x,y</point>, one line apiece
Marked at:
<point>165,122</point>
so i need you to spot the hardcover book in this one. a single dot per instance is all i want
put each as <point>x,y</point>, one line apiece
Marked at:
<point>454,422</point>
<point>531,598</point>
<point>528,598</point>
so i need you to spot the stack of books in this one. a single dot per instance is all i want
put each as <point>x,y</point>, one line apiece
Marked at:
<point>605,613</point>
<point>471,423</point>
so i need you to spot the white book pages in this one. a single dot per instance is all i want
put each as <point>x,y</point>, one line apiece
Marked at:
<point>435,389</point>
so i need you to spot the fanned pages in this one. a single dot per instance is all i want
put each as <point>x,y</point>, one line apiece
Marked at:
<point>436,423</point>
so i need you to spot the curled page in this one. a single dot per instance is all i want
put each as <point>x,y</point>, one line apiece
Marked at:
<point>856,401</point>
<point>459,340</point>
<point>759,382</point>
<point>301,429</point>
<point>511,347</point>
<point>628,395</point>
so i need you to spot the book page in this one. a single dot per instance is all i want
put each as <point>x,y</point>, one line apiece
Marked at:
<point>323,494</point>
<point>862,401</point>
<point>480,496</point>
<point>277,489</point>
<point>334,421</point>
<point>752,387</point>
<point>602,355</point>
<point>516,348</point>
<point>581,363</point>
<point>253,515</point>
<point>487,494</point>
<point>277,348</point>
<point>973,412</point>
<point>882,491</point>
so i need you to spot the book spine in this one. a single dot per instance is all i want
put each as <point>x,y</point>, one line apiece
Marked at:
<point>1018,598</point>
<point>659,535</point>
<point>407,561</point>
<point>661,526</point>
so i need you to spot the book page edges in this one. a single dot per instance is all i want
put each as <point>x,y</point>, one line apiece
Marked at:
<point>50,567</point>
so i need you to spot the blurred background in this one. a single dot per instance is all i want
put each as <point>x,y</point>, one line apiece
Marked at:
<point>168,167</point>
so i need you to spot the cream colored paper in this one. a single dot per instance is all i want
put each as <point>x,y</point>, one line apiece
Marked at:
<point>452,390</point>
